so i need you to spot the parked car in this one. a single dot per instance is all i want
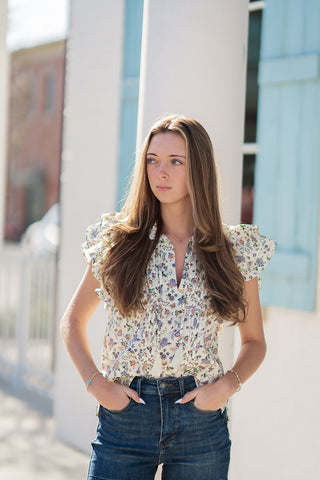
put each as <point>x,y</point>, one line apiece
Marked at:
<point>42,238</point>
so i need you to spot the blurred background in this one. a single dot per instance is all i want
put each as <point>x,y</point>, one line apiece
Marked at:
<point>80,83</point>
<point>36,48</point>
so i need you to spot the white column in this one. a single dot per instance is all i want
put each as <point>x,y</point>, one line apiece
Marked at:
<point>3,112</point>
<point>194,62</point>
<point>88,183</point>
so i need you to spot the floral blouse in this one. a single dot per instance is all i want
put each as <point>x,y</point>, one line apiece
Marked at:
<point>176,335</point>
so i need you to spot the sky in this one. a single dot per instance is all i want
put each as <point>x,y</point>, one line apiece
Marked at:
<point>32,22</point>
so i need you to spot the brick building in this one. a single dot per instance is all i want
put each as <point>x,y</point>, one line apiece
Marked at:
<point>34,134</point>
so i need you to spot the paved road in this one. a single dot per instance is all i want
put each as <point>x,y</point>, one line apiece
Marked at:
<point>28,447</point>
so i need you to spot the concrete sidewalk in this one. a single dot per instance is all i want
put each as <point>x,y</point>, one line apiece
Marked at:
<point>28,447</point>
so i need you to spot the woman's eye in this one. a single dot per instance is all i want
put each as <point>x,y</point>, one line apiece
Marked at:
<point>151,160</point>
<point>175,161</point>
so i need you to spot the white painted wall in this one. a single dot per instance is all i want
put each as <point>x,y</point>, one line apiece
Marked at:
<point>88,183</point>
<point>276,417</point>
<point>3,111</point>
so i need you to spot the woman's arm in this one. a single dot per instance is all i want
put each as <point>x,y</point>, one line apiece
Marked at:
<point>252,352</point>
<point>74,323</point>
<point>253,344</point>
<point>73,330</point>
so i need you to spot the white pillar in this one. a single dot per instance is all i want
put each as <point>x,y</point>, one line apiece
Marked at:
<point>194,62</point>
<point>3,112</point>
<point>88,183</point>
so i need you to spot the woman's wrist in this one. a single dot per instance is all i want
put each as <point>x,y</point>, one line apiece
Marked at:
<point>99,388</point>
<point>226,387</point>
<point>234,381</point>
<point>92,379</point>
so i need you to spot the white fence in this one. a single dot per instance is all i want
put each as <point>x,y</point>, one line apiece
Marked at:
<point>27,319</point>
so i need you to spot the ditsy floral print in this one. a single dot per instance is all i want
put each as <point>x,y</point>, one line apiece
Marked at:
<point>176,335</point>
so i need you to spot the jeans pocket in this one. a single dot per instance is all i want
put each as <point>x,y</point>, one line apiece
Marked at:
<point>201,411</point>
<point>116,412</point>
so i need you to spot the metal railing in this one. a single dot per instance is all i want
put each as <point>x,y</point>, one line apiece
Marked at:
<point>27,319</point>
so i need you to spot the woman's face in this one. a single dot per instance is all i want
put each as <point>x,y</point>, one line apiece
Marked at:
<point>167,169</point>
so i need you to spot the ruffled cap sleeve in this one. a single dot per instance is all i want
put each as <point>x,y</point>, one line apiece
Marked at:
<point>253,251</point>
<point>97,241</point>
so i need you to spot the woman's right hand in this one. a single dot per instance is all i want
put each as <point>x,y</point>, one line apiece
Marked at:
<point>112,395</point>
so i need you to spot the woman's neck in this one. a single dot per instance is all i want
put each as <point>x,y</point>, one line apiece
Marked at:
<point>177,222</point>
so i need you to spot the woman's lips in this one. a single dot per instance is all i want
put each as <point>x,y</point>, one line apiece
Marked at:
<point>162,188</point>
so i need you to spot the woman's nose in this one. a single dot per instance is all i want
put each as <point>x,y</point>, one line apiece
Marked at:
<point>162,172</point>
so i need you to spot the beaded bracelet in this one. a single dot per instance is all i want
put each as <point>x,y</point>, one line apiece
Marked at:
<point>91,379</point>
<point>237,377</point>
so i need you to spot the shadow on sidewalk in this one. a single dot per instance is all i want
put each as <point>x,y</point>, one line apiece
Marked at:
<point>28,447</point>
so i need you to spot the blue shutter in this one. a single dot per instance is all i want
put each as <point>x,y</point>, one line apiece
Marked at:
<point>287,176</point>
<point>130,93</point>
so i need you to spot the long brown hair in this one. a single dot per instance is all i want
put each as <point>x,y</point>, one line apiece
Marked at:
<point>125,263</point>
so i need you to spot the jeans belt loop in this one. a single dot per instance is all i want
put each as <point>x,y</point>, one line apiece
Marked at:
<point>181,385</point>
<point>139,380</point>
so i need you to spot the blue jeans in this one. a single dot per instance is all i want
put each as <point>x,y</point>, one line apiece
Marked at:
<point>192,444</point>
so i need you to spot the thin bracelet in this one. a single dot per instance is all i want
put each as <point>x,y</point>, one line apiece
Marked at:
<point>91,379</point>
<point>237,377</point>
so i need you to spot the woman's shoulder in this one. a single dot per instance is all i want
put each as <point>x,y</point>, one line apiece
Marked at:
<point>98,239</point>
<point>252,250</point>
<point>102,230</point>
<point>106,221</point>
<point>247,235</point>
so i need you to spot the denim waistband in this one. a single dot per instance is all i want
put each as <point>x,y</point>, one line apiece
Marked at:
<point>163,385</point>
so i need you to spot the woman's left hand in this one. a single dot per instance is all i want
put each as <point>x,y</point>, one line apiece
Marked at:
<point>211,396</point>
<point>253,349</point>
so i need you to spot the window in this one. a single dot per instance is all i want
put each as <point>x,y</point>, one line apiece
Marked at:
<point>250,145</point>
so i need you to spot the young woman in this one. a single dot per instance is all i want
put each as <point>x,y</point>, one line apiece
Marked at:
<point>170,274</point>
